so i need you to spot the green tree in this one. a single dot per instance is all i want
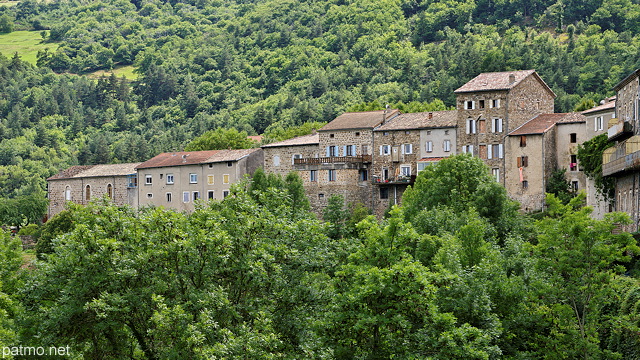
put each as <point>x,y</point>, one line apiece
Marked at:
<point>580,256</point>
<point>559,186</point>
<point>6,24</point>
<point>220,139</point>
<point>590,157</point>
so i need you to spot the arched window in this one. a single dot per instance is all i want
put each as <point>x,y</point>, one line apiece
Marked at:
<point>88,193</point>
<point>110,191</point>
<point>67,194</point>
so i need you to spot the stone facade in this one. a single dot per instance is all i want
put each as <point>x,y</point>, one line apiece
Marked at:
<point>82,184</point>
<point>568,137</point>
<point>492,105</point>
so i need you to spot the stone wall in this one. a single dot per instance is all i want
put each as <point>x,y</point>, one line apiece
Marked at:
<point>284,156</point>
<point>565,149</point>
<point>122,194</point>
<point>627,198</point>
<point>531,197</point>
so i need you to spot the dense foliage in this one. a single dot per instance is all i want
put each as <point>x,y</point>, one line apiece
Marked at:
<point>257,276</point>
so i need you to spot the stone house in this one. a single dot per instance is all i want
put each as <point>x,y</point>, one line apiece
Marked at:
<point>343,164</point>
<point>405,145</point>
<point>176,180</point>
<point>537,148</point>
<point>492,105</point>
<point>622,161</point>
<point>83,183</point>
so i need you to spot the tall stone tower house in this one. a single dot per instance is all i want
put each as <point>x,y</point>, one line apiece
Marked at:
<point>493,104</point>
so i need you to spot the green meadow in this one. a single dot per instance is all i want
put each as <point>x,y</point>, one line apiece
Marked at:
<point>119,71</point>
<point>25,43</point>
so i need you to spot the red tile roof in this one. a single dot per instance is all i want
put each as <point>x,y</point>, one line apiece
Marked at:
<point>421,120</point>
<point>499,81</point>
<point>194,157</point>
<point>544,122</point>
<point>359,120</point>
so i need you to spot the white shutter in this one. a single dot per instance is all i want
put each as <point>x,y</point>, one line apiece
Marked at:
<point>381,153</point>
<point>500,151</point>
<point>489,151</point>
<point>493,125</point>
<point>499,125</point>
<point>468,126</point>
<point>471,149</point>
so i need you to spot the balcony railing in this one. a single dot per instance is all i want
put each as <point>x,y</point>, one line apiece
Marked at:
<point>624,156</point>
<point>402,180</point>
<point>333,160</point>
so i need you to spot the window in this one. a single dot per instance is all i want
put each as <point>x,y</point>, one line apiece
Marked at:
<point>573,137</point>
<point>211,180</point>
<point>496,125</point>
<point>497,151</point>
<point>148,179</point>
<point>229,163</point>
<point>599,123</point>
<point>385,149</point>
<point>149,196</point>
<point>495,103</point>
<point>196,195</point>
<point>132,181</point>
<point>87,195</point>
<point>169,197</point>
<point>331,136</point>
<point>573,163</point>
<point>407,149</point>
<point>429,146</point>
<point>225,193</point>
<point>332,175</point>
<point>446,132</point>
<point>210,194</point>
<point>365,150</point>
<point>480,104</point>
<point>471,126</point>
<point>185,196</point>
<point>313,175</point>
<point>210,166</point>
<point>496,174</point>
<point>525,184</point>
<point>522,161</point>
<point>350,150</point>
<point>193,178</point>
<point>276,160</point>
<point>523,141</point>
<point>110,191</point>
<point>357,133</point>
<point>67,194</point>
<point>574,185</point>
<point>467,149</point>
<point>332,151</point>
<point>428,132</point>
<point>469,105</point>
<point>169,179</point>
<point>363,175</point>
<point>482,151</point>
<point>482,126</point>
<point>294,157</point>
<point>385,133</point>
<point>405,170</point>
<point>447,145</point>
<point>225,178</point>
<point>384,192</point>
<point>422,166</point>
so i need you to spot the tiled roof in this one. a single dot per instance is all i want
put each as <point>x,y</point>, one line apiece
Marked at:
<point>543,122</point>
<point>498,81</point>
<point>611,105</point>
<point>83,171</point>
<point>297,141</point>
<point>194,157</point>
<point>421,120</point>
<point>359,120</point>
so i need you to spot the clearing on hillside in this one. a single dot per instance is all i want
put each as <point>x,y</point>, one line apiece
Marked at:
<point>25,43</point>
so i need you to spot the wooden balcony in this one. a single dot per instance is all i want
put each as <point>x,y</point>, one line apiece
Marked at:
<point>399,180</point>
<point>333,160</point>
<point>622,157</point>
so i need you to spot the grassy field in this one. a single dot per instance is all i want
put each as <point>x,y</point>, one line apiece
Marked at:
<point>8,3</point>
<point>25,43</point>
<point>127,71</point>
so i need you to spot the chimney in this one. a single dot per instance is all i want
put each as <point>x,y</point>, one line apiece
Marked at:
<point>384,114</point>
<point>512,79</point>
<point>430,116</point>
